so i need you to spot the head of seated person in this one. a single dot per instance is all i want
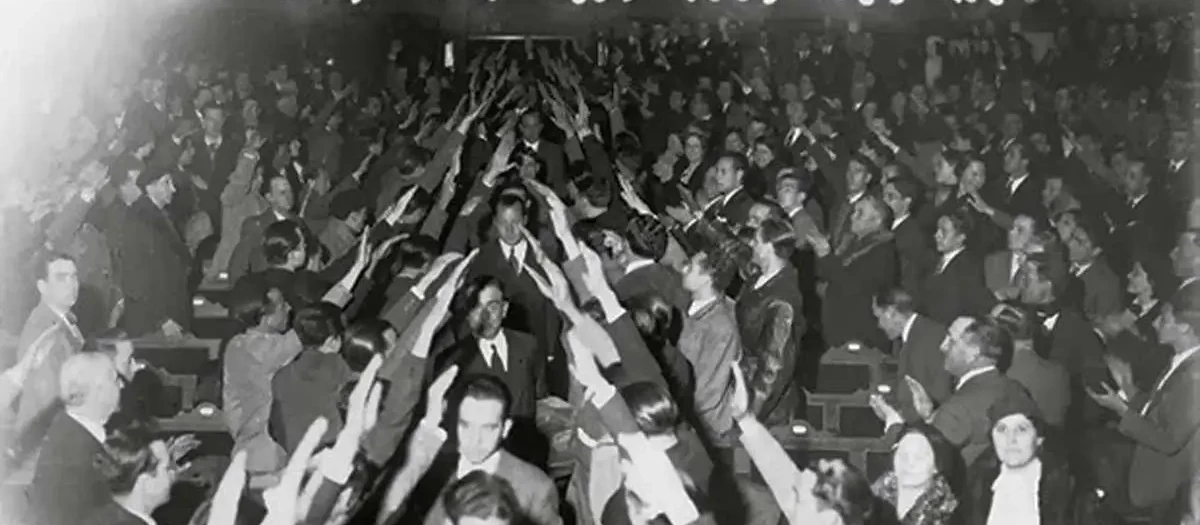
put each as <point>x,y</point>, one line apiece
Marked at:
<point>319,327</point>
<point>285,246</point>
<point>414,255</point>
<point>350,208</point>
<point>278,191</point>
<point>137,468</point>
<point>257,306</point>
<point>366,339</point>
<point>479,498</point>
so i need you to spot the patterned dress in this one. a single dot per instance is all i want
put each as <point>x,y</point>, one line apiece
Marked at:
<point>933,507</point>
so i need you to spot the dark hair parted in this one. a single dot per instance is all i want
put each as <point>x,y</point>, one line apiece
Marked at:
<point>127,456</point>
<point>317,323</point>
<point>281,239</point>
<point>483,496</point>
<point>487,387</point>
<point>652,406</point>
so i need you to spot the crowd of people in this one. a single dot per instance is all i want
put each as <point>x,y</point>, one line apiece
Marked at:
<point>553,282</point>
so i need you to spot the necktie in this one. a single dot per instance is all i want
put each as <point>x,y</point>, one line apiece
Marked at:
<point>512,259</point>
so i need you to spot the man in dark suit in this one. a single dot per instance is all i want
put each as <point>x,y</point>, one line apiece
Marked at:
<point>864,265</point>
<point>1064,335</point>
<point>955,287</point>
<point>912,241</point>
<point>66,486</point>
<point>1021,193</point>
<point>977,353</point>
<point>1162,423</point>
<point>507,258</point>
<point>550,153</point>
<point>1142,225</point>
<point>482,424</point>
<point>637,252</point>
<point>510,356</point>
<point>310,386</point>
<point>920,349</point>
<point>139,472</point>
<point>157,264</point>
<point>215,158</point>
<point>248,254</point>
<point>1098,289</point>
<point>1001,269</point>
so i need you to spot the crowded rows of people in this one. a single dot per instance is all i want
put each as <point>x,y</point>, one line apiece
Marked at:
<point>574,283</point>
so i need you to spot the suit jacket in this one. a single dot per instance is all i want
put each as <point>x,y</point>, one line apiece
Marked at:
<point>66,486</point>
<point>652,279</point>
<point>528,310</point>
<point>1075,346</point>
<point>1166,449</point>
<point>921,357</point>
<point>552,155</point>
<point>536,495</point>
<point>113,514</point>
<point>524,376</point>
<point>1027,200</point>
<point>1100,290</point>
<point>854,277</point>
<point>734,211</point>
<point>916,255</point>
<point>39,393</point>
<point>955,291</point>
<point>1048,384</point>
<point>157,264</point>
<point>999,274</point>
<point>303,390</point>
<point>248,255</point>
<point>963,418</point>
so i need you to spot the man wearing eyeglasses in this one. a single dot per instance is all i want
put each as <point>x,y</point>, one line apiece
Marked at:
<point>487,348</point>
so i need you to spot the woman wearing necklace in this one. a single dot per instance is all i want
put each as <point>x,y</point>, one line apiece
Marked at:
<point>917,489</point>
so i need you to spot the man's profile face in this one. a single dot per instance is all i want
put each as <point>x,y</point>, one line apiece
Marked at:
<point>481,428</point>
<point>60,288</point>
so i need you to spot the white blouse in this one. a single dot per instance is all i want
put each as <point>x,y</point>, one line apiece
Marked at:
<point>1015,496</point>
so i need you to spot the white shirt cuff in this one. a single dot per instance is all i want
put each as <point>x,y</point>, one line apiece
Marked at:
<point>336,471</point>
<point>603,395</point>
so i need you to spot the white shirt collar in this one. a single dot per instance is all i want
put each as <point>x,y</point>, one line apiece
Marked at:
<point>1014,184</point>
<point>533,145</point>
<point>488,465</point>
<point>1016,259</point>
<point>1187,281</point>
<point>515,250</point>
<point>139,514</point>
<point>855,196</point>
<point>1177,361</point>
<point>95,429</point>
<point>1051,322</point>
<point>1080,269</point>
<point>499,345</point>
<point>1136,200</point>
<point>949,258</point>
<point>725,199</point>
<point>912,319</point>
<point>637,265</point>
<point>766,278</point>
<point>1176,164</point>
<point>900,220</point>
<point>972,375</point>
<point>696,308</point>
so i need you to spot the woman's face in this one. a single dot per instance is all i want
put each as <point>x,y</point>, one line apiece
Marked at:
<point>913,461</point>
<point>693,149</point>
<point>734,143</point>
<point>972,177</point>
<point>1065,226</point>
<point>1016,440</point>
<point>943,172</point>
<point>1139,281</point>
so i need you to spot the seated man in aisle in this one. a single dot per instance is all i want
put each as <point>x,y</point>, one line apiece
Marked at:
<point>483,424</point>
